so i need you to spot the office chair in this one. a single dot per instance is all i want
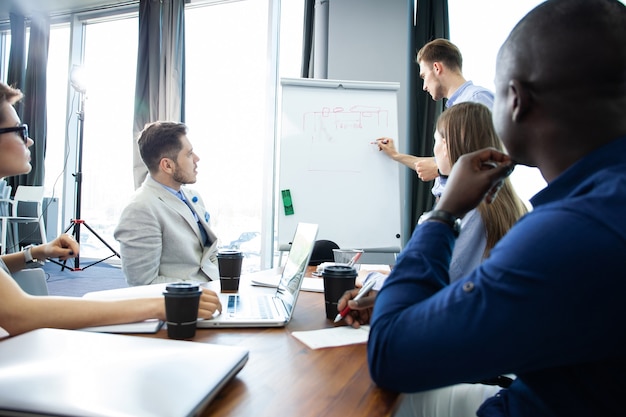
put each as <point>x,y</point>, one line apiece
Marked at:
<point>323,252</point>
<point>23,194</point>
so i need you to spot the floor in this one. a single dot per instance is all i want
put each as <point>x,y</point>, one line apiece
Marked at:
<point>91,276</point>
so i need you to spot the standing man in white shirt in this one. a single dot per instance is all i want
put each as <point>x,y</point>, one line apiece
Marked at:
<point>441,68</point>
<point>164,231</point>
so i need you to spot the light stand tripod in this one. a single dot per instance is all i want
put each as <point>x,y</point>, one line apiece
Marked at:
<point>76,222</point>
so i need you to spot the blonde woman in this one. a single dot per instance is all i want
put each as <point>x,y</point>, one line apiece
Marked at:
<point>464,128</point>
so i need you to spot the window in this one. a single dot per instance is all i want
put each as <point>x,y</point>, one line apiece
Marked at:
<point>56,149</point>
<point>230,58</point>
<point>226,105</point>
<point>479,37</point>
<point>229,107</point>
<point>110,64</point>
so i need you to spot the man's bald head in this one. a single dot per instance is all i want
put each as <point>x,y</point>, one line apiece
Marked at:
<point>561,82</point>
<point>571,44</point>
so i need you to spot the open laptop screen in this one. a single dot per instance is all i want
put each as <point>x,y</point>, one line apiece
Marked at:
<point>297,262</point>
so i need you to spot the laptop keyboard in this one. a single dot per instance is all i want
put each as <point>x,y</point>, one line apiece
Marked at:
<point>249,307</point>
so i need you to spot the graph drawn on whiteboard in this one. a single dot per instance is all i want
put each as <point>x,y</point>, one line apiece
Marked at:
<point>336,176</point>
<point>329,126</point>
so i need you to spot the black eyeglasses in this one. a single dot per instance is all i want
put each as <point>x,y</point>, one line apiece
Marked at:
<point>22,129</point>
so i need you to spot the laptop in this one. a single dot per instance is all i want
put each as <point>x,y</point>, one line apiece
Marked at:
<point>267,310</point>
<point>53,372</point>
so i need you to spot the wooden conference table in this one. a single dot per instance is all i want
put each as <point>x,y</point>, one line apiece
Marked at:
<point>284,377</point>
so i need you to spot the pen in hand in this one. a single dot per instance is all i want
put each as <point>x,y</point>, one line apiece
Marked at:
<point>364,290</point>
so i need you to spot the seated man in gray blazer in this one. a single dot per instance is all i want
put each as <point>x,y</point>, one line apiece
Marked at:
<point>164,231</point>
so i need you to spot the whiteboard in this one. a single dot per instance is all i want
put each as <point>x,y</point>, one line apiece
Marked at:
<point>336,177</point>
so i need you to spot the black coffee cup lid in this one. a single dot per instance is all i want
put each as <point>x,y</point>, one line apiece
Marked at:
<point>339,270</point>
<point>182,287</point>
<point>229,252</point>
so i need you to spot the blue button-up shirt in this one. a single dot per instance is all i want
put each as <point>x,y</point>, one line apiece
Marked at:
<point>470,92</point>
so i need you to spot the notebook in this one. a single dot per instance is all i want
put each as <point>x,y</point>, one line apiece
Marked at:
<point>266,310</point>
<point>52,372</point>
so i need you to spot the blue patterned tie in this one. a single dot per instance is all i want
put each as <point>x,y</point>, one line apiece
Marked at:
<point>205,236</point>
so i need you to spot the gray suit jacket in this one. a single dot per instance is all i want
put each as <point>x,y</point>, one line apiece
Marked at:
<point>160,240</point>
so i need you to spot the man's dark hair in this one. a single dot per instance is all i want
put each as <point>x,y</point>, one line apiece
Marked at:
<point>441,50</point>
<point>160,140</point>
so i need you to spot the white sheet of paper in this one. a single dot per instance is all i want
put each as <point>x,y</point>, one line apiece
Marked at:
<point>333,336</point>
<point>375,267</point>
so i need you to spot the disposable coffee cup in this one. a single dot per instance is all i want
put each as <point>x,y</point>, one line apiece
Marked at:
<point>229,263</point>
<point>181,309</point>
<point>337,280</point>
<point>345,256</point>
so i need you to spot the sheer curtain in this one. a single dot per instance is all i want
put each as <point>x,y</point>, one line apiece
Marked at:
<point>160,84</point>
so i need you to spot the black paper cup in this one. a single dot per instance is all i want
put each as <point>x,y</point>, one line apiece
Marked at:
<point>181,309</point>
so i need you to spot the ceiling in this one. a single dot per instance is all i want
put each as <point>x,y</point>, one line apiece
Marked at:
<point>52,7</point>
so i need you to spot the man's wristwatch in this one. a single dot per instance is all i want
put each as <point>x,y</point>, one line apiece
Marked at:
<point>28,256</point>
<point>444,217</point>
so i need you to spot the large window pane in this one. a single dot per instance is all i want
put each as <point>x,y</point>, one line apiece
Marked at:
<point>226,78</point>
<point>56,149</point>
<point>110,63</point>
<point>291,34</point>
<point>479,38</point>
<point>227,107</point>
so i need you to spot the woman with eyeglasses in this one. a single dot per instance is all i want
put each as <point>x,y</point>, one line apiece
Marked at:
<point>21,312</point>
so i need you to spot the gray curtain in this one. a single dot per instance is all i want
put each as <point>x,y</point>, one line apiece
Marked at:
<point>17,62</point>
<point>160,85</point>
<point>307,38</point>
<point>35,98</point>
<point>315,39</point>
<point>431,17</point>
<point>32,81</point>
<point>31,78</point>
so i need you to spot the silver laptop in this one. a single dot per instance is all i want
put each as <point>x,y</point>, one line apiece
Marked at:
<point>267,310</point>
<point>52,372</point>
